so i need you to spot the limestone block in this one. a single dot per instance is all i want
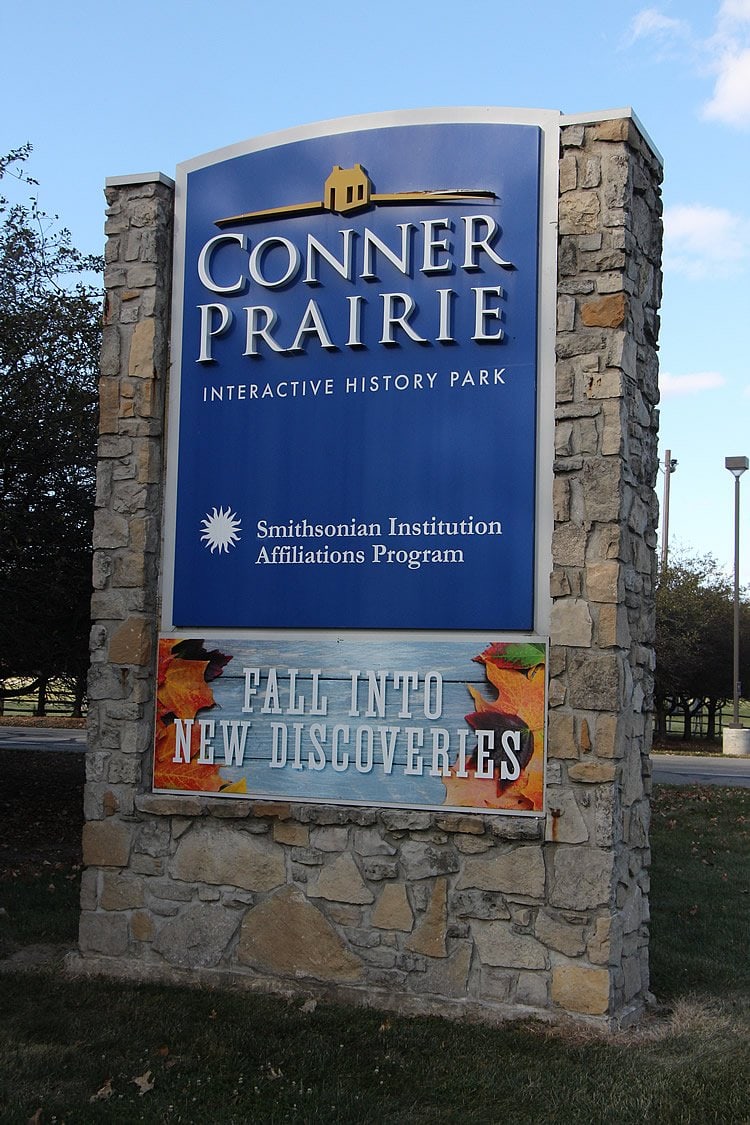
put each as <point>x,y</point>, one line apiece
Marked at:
<point>392,910</point>
<point>120,892</point>
<point>377,868</point>
<point>396,820</point>
<point>341,882</point>
<point>569,545</point>
<point>152,838</point>
<point>499,944</point>
<point>155,805</point>
<point>579,213</point>
<point>197,937</point>
<point>608,742</point>
<point>602,490</point>
<point>592,772</point>
<point>286,832</point>
<point>141,926</point>
<point>228,809</point>
<point>225,856</point>
<point>103,933</point>
<point>565,824</point>
<point>131,643</point>
<point>369,841</point>
<point>598,946</point>
<point>561,738</point>
<point>558,934</point>
<point>532,988</point>
<point>582,877</point>
<point>429,936</point>
<point>445,977</point>
<point>595,683</point>
<point>604,581</point>
<point>423,861</point>
<point>106,843</point>
<point>453,822</point>
<point>288,936</point>
<point>570,623</point>
<point>519,871</point>
<point>487,905</point>
<point>89,883</point>
<point>580,989</point>
<point>612,627</point>
<point>473,845</point>
<point>330,839</point>
<point>110,530</point>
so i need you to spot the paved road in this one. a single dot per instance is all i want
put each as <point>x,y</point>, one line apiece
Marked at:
<point>674,769</point>
<point>690,769</point>
<point>42,738</point>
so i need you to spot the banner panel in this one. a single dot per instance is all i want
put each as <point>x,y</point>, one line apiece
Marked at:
<point>357,382</point>
<point>412,724</point>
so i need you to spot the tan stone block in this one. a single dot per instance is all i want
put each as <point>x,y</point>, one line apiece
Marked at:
<point>106,843</point>
<point>141,358</point>
<point>561,740</point>
<point>453,822</point>
<point>598,948</point>
<point>565,824</point>
<point>341,881</point>
<point>141,926</point>
<point>613,430</point>
<point>569,545</point>
<point>605,384</point>
<point>392,910</point>
<point>617,129</point>
<point>223,855</point>
<point>607,741</point>
<point>446,977</point>
<point>519,870</point>
<point>582,877</point>
<point>612,628</point>
<point>131,643</point>
<point>604,581</point>
<point>499,944</point>
<point>429,936</point>
<point>561,499</point>
<point>298,835</point>
<point>120,892</point>
<point>585,737</point>
<point>109,402</point>
<point>605,312</point>
<point>281,810</point>
<point>592,772</point>
<point>570,623</point>
<point>288,936</point>
<point>579,213</point>
<point>559,934</point>
<point>580,989</point>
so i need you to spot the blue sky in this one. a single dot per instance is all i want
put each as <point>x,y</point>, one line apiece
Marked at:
<point>108,89</point>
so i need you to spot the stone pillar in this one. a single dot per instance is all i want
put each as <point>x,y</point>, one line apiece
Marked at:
<point>413,910</point>
<point>604,562</point>
<point>127,526</point>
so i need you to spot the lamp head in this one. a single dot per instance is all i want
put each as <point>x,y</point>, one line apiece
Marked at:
<point>736,465</point>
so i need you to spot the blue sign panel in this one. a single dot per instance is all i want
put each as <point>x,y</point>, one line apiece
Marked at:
<point>358,382</point>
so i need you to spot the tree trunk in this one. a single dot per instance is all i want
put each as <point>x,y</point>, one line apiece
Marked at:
<point>41,697</point>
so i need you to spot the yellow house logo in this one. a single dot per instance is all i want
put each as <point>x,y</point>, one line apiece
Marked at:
<point>348,190</point>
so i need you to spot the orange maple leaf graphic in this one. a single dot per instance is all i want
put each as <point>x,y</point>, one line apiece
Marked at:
<point>519,706</point>
<point>183,691</point>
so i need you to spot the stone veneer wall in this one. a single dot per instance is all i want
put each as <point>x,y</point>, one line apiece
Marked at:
<point>418,911</point>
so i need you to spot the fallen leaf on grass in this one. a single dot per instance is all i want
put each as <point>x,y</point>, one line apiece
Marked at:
<point>309,1006</point>
<point>105,1092</point>
<point>144,1082</point>
<point>36,1119</point>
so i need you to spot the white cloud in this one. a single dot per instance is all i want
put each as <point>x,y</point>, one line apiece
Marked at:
<point>692,384</point>
<point>724,55</point>
<point>728,56</point>
<point>731,98</point>
<point>702,241</point>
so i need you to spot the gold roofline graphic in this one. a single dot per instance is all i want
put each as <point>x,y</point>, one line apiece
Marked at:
<point>347,190</point>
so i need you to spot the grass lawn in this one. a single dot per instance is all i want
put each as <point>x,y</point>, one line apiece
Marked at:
<point>74,1051</point>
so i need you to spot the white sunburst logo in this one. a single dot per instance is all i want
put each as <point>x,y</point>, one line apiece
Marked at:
<point>220,530</point>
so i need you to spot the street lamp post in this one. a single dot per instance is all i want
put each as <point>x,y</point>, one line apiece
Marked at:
<point>736,738</point>
<point>670,464</point>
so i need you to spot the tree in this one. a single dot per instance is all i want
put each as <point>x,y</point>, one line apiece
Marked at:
<point>49,345</point>
<point>694,630</point>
